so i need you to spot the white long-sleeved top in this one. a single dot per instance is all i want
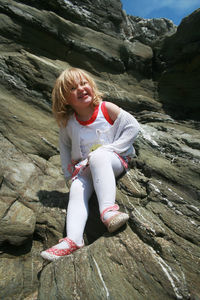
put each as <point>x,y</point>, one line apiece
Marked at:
<point>119,138</point>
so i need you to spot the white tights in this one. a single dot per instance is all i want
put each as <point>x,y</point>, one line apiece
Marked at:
<point>104,167</point>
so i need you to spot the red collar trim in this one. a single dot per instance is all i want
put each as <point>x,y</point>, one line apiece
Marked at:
<point>106,114</point>
<point>92,119</point>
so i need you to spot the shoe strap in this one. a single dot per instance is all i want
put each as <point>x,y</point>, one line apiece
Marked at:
<point>110,208</point>
<point>70,243</point>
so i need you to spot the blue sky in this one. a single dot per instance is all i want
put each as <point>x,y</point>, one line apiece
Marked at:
<point>174,10</point>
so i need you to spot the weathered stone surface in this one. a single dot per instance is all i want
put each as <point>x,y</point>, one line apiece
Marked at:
<point>147,31</point>
<point>117,263</point>
<point>179,60</point>
<point>33,200</point>
<point>18,224</point>
<point>105,16</point>
<point>19,271</point>
<point>156,256</point>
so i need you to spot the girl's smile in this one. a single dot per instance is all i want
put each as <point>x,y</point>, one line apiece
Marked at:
<point>83,96</point>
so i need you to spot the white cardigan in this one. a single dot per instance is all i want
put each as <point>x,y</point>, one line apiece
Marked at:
<point>121,136</point>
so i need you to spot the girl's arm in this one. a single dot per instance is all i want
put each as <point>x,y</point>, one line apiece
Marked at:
<point>125,129</point>
<point>113,110</point>
<point>65,154</point>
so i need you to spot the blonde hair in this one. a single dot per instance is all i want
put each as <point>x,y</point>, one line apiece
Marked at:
<point>61,91</point>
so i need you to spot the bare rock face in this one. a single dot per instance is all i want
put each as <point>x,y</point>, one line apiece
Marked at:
<point>148,31</point>
<point>137,64</point>
<point>178,58</point>
<point>104,16</point>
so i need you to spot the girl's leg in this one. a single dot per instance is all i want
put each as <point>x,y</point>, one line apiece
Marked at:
<point>105,166</point>
<point>77,214</point>
<point>77,211</point>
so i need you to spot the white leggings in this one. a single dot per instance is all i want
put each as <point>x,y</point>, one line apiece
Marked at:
<point>104,167</point>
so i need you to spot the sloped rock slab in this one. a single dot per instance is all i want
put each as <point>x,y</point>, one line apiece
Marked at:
<point>117,267</point>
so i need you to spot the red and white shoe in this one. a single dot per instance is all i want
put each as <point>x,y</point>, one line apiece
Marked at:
<point>116,221</point>
<point>54,253</point>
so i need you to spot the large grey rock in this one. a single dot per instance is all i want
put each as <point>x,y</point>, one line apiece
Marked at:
<point>147,31</point>
<point>105,16</point>
<point>18,224</point>
<point>119,266</point>
<point>33,200</point>
<point>178,58</point>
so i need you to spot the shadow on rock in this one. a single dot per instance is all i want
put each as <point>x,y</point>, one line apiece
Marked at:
<point>94,228</point>
<point>53,198</point>
<point>13,250</point>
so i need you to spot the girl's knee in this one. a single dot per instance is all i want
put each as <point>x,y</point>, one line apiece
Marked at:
<point>104,159</point>
<point>98,157</point>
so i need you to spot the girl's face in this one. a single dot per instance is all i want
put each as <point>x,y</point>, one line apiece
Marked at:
<point>81,94</point>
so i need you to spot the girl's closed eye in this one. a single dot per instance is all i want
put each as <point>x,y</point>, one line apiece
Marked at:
<point>82,83</point>
<point>73,88</point>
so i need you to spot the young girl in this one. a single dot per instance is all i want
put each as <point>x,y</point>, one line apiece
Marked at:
<point>95,140</point>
